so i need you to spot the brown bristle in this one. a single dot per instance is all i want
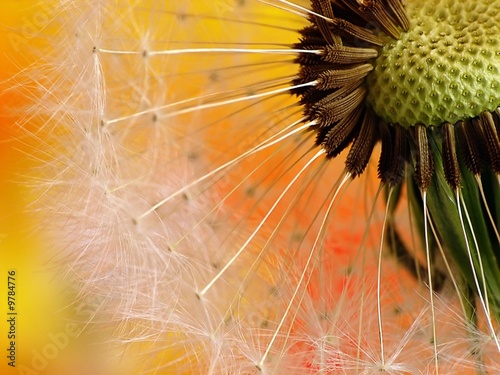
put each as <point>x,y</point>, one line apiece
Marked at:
<point>469,147</point>
<point>379,15</point>
<point>324,7</point>
<point>341,134</point>
<point>347,29</point>
<point>398,11</point>
<point>363,145</point>
<point>491,140</point>
<point>450,159</point>
<point>394,155</point>
<point>335,78</point>
<point>347,55</point>
<point>334,107</point>
<point>424,168</point>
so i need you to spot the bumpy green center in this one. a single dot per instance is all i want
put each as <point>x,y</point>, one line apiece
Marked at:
<point>445,68</point>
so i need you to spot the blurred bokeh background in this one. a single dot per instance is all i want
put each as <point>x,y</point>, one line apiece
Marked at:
<point>47,339</point>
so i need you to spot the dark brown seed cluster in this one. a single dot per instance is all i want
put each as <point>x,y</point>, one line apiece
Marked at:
<point>348,34</point>
<point>478,145</point>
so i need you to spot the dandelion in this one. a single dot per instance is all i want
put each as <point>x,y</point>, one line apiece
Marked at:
<point>208,173</point>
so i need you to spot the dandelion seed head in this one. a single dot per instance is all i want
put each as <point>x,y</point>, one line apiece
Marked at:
<point>185,189</point>
<point>444,69</point>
